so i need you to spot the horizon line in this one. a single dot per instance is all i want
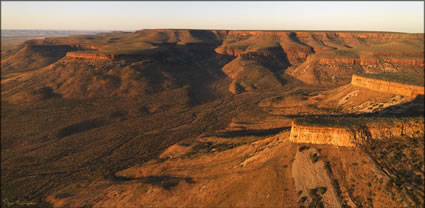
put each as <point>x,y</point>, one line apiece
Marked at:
<point>267,30</point>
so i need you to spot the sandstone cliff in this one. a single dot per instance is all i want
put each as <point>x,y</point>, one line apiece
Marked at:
<point>100,55</point>
<point>372,61</point>
<point>86,47</point>
<point>321,135</point>
<point>90,55</point>
<point>360,61</point>
<point>406,61</point>
<point>386,86</point>
<point>350,137</point>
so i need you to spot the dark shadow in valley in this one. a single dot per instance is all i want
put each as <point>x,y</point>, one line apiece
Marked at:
<point>197,66</point>
<point>276,61</point>
<point>80,127</point>
<point>251,132</point>
<point>294,37</point>
<point>167,182</point>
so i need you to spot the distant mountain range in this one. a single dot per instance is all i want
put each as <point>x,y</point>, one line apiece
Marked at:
<point>47,33</point>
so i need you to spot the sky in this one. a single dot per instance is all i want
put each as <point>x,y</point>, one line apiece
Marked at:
<point>250,15</point>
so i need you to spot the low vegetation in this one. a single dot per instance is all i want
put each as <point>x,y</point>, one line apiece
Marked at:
<point>402,159</point>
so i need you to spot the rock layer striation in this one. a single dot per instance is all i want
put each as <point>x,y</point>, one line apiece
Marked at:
<point>386,86</point>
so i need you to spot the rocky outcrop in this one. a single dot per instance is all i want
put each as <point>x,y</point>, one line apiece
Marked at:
<point>231,51</point>
<point>371,61</point>
<point>413,129</point>
<point>331,61</point>
<point>86,47</point>
<point>367,61</point>
<point>90,55</point>
<point>321,135</point>
<point>350,61</point>
<point>352,137</point>
<point>406,62</point>
<point>101,56</point>
<point>386,86</point>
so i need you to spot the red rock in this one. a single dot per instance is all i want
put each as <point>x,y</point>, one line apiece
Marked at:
<point>386,86</point>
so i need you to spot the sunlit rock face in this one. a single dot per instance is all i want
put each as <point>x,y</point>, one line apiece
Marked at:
<point>388,87</point>
<point>321,135</point>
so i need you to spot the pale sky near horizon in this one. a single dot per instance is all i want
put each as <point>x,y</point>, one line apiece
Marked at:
<point>365,16</point>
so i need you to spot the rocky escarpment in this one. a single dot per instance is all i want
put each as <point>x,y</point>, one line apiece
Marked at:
<point>372,61</point>
<point>102,56</point>
<point>86,47</point>
<point>406,62</point>
<point>386,86</point>
<point>321,135</point>
<point>350,137</point>
<point>90,55</point>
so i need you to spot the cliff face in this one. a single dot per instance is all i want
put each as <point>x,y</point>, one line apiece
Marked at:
<point>406,62</point>
<point>86,47</point>
<point>350,61</point>
<point>231,51</point>
<point>351,138</point>
<point>398,129</point>
<point>371,61</point>
<point>90,55</point>
<point>102,56</point>
<point>321,135</point>
<point>386,86</point>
